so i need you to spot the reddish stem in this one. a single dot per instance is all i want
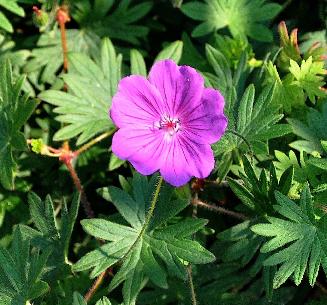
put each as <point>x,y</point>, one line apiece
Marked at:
<point>86,204</point>
<point>62,18</point>
<point>95,286</point>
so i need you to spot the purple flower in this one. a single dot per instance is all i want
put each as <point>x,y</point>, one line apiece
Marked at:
<point>167,122</point>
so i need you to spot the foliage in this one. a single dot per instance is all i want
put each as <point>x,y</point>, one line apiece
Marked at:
<point>243,18</point>
<point>253,122</point>
<point>119,24</point>
<point>312,133</point>
<point>304,72</point>
<point>75,225</point>
<point>15,109</point>
<point>13,7</point>
<point>21,272</point>
<point>303,235</point>
<point>139,257</point>
<point>257,193</point>
<point>88,97</point>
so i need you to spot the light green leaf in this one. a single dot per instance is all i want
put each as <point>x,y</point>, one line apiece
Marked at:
<point>138,66</point>
<point>172,51</point>
<point>243,18</point>
<point>84,109</point>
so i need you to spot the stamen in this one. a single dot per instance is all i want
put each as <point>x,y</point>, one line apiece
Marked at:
<point>168,124</point>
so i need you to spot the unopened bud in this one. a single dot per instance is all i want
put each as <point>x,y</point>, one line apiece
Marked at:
<point>40,18</point>
<point>38,146</point>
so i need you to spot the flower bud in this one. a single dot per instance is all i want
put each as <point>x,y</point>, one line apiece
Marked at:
<point>40,18</point>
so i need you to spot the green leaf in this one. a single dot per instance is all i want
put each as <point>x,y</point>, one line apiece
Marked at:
<point>298,241</point>
<point>14,8</point>
<point>172,51</point>
<point>47,60</point>
<point>50,234</point>
<point>78,299</point>
<point>21,271</point>
<point>15,109</point>
<point>115,162</point>
<point>161,249</point>
<point>243,18</point>
<point>117,24</point>
<point>84,109</point>
<point>312,132</point>
<point>5,23</point>
<point>138,66</point>
<point>309,77</point>
<point>288,94</point>
<point>320,163</point>
<point>103,301</point>
<point>254,120</point>
<point>257,191</point>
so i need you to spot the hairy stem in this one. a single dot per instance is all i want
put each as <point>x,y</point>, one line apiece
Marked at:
<point>220,210</point>
<point>94,141</point>
<point>321,287</point>
<point>190,280</point>
<point>244,139</point>
<point>95,286</point>
<point>147,218</point>
<point>62,18</point>
<point>86,204</point>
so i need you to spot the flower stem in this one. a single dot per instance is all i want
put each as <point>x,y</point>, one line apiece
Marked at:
<point>189,267</point>
<point>147,218</point>
<point>220,210</point>
<point>86,204</point>
<point>94,141</point>
<point>244,139</point>
<point>62,18</point>
<point>95,286</point>
<point>190,279</point>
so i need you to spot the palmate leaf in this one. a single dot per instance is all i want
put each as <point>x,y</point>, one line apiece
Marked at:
<point>91,86</point>
<point>243,17</point>
<point>47,58</point>
<point>255,121</point>
<point>21,272</point>
<point>15,109</point>
<point>161,249</point>
<point>288,94</point>
<point>309,77</point>
<point>52,234</point>
<point>298,241</point>
<point>312,132</point>
<point>117,23</point>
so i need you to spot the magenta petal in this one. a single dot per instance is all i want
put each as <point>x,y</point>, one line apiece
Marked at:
<point>136,102</point>
<point>206,123</point>
<point>142,147</point>
<point>186,159</point>
<point>180,87</point>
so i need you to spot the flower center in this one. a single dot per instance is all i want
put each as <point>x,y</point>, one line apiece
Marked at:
<point>169,125</point>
